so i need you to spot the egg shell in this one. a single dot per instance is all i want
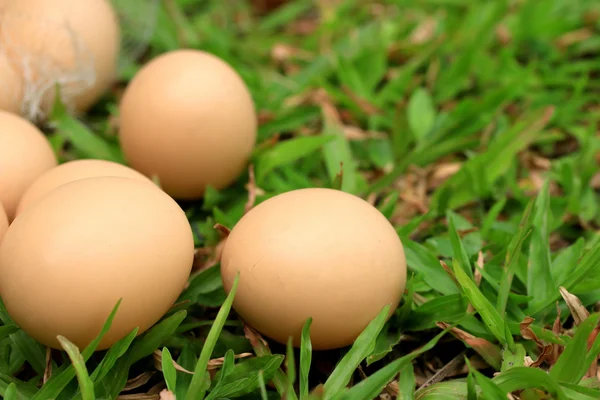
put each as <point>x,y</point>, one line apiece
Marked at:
<point>25,154</point>
<point>71,42</point>
<point>3,223</point>
<point>67,260</point>
<point>317,253</point>
<point>188,118</point>
<point>72,171</point>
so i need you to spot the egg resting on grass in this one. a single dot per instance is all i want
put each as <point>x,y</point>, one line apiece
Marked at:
<point>70,43</point>
<point>317,253</point>
<point>72,171</point>
<point>25,154</point>
<point>66,260</point>
<point>188,119</point>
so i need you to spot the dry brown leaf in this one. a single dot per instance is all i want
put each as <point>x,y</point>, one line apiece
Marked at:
<point>217,362</point>
<point>157,357</point>
<point>595,182</point>
<point>441,172</point>
<point>527,333</point>
<point>449,368</point>
<point>138,396</point>
<point>483,347</point>
<point>392,389</point>
<point>578,311</point>
<point>556,329</point>
<point>355,133</point>
<point>503,34</point>
<point>138,381</point>
<point>450,272</point>
<point>258,343</point>
<point>574,37</point>
<point>281,53</point>
<point>252,189</point>
<point>223,230</point>
<point>363,104</point>
<point>48,369</point>
<point>424,32</point>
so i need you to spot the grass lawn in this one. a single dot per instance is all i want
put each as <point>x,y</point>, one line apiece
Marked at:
<point>471,125</point>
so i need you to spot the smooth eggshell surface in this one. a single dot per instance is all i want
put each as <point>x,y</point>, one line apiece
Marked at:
<point>3,223</point>
<point>188,118</point>
<point>67,260</point>
<point>25,154</point>
<point>317,253</point>
<point>71,42</point>
<point>72,171</point>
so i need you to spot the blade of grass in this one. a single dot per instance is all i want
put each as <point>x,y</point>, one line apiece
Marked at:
<point>290,366</point>
<point>152,339</point>
<point>520,378</point>
<point>371,387</point>
<point>169,371</point>
<point>115,352</point>
<point>460,254</point>
<point>86,386</point>
<point>199,385</point>
<point>407,382</point>
<point>11,392</point>
<point>305,358</point>
<point>540,285</point>
<point>512,259</point>
<point>570,366</point>
<point>287,152</point>
<point>56,384</point>
<point>493,321</point>
<point>362,347</point>
<point>244,378</point>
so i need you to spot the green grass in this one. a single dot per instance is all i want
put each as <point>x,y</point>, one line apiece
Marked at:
<point>474,126</point>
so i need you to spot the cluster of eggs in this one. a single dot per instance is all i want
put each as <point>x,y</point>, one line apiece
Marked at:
<point>78,236</point>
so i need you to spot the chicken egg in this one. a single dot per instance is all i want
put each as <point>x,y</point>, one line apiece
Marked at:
<point>68,259</point>
<point>3,223</point>
<point>188,118</point>
<point>25,154</point>
<point>72,43</point>
<point>72,171</point>
<point>319,253</point>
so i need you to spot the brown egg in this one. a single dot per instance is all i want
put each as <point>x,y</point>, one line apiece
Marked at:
<point>188,118</point>
<point>73,43</point>
<point>72,171</point>
<point>25,154</point>
<point>66,261</point>
<point>3,223</point>
<point>317,253</point>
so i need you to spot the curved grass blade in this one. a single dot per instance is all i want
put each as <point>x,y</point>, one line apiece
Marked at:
<point>56,384</point>
<point>11,392</point>
<point>520,378</point>
<point>488,313</point>
<point>290,365</point>
<point>169,371</point>
<point>571,365</point>
<point>362,347</point>
<point>460,253</point>
<point>155,337</point>
<point>116,351</point>
<point>244,378</point>
<point>7,330</point>
<point>371,387</point>
<point>199,385</point>
<point>86,385</point>
<point>305,358</point>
